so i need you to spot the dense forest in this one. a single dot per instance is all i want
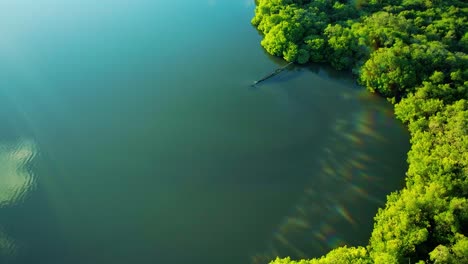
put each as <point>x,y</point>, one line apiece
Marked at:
<point>413,52</point>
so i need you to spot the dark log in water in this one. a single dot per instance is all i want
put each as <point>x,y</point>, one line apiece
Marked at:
<point>275,72</point>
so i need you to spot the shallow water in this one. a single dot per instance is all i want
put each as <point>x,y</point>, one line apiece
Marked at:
<point>130,134</point>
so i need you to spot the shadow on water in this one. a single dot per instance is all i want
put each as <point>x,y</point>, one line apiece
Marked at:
<point>326,71</point>
<point>293,72</point>
<point>338,204</point>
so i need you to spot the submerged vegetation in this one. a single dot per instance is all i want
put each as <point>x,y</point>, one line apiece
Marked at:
<point>413,52</point>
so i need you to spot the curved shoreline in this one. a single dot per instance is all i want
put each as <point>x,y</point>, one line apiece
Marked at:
<point>423,74</point>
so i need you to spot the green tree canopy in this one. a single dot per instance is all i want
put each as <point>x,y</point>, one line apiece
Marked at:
<point>412,52</point>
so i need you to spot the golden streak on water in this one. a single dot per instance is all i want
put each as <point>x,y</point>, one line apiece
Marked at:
<point>301,210</point>
<point>365,157</point>
<point>348,137</point>
<point>354,139</point>
<point>345,214</point>
<point>357,164</point>
<point>328,170</point>
<point>298,222</point>
<point>289,245</point>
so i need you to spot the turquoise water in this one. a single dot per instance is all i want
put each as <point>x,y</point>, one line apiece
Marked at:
<point>130,134</point>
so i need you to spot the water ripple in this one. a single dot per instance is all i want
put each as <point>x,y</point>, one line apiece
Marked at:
<point>16,177</point>
<point>16,180</point>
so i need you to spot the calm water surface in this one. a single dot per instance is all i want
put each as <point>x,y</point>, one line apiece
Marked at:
<point>130,134</point>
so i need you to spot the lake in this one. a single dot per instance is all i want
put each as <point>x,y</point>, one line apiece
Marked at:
<point>131,134</point>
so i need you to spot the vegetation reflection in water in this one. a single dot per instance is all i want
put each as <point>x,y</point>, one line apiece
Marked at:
<point>16,181</point>
<point>345,168</point>
<point>118,178</point>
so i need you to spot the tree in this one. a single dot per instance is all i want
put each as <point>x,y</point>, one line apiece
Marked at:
<point>413,52</point>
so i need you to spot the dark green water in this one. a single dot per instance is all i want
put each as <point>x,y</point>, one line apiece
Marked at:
<point>129,134</point>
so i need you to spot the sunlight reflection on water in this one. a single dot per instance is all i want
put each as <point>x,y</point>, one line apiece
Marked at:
<point>16,181</point>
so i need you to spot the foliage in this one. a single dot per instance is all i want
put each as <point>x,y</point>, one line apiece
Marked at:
<point>345,254</point>
<point>412,52</point>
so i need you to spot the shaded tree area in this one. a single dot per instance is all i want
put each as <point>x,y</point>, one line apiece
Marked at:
<point>412,52</point>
